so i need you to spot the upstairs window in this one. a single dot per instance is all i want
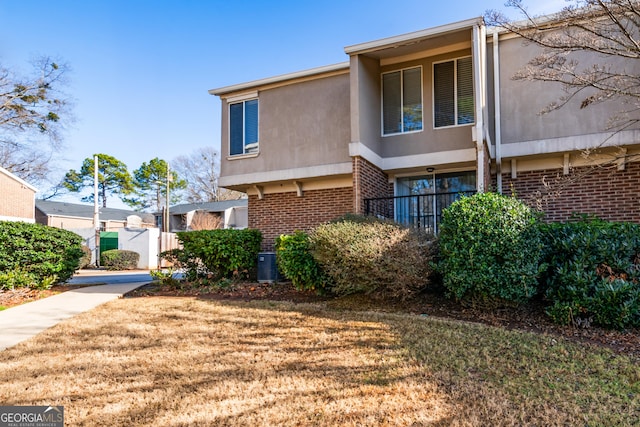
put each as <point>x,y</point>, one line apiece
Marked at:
<point>243,127</point>
<point>453,93</point>
<point>402,101</point>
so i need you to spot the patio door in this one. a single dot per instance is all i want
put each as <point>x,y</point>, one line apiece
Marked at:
<point>420,200</point>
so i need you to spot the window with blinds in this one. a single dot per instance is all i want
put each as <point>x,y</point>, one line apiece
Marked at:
<point>453,102</point>
<point>402,101</point>
<point>243,127</point>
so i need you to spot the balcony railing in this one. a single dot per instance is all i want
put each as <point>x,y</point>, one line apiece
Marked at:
<point>423,211</point>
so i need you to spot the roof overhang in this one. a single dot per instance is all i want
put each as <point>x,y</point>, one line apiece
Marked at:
<point>314,72</point>
<point>412,38</point>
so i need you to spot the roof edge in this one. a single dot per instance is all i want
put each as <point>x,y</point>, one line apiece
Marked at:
<point>18,179</point>
<point>277,79</point>
<point>404,38</point>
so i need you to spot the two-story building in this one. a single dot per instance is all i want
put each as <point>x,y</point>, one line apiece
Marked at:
<point>409,124</point>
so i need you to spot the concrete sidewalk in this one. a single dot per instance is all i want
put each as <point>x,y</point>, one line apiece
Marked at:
<point>27,320</point>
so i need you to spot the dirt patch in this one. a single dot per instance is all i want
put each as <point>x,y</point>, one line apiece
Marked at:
<point>530,318</point>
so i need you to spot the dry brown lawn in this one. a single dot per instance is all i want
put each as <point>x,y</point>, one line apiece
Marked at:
<point>183,361</point>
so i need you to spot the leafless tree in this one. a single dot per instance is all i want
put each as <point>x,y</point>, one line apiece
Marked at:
<point>206,221</point>
<point>592,49</point>
<point>201,170</point>
<point>33,114</point>
<point>609,30</point>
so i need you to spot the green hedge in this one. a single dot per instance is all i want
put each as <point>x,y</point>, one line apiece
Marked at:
<point>490,250</point>
<point>222,253</point>
<point>36,255</point>
<point>297,264</point>
<point>366,255</point>
<point>118,259</point>
<point>593,273</point>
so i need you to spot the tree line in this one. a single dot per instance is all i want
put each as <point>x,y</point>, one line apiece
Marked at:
<point>192,178</point>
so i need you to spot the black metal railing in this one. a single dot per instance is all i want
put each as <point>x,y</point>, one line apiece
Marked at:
<point>423,211</point>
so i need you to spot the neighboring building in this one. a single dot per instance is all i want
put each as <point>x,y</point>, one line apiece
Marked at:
<point>17,198</point>
<point>409,124</point>
<point>222,214</point>
<point>73,216</point>
<point>119,229</point>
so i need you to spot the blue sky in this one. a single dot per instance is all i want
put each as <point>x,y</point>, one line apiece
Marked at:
<point>140,70</point>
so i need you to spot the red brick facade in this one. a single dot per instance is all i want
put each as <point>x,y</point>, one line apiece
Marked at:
<point>368,182</point>
<point>608,193</point>
<point>283,213</point>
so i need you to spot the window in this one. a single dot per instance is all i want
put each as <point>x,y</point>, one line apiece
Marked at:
<point>402,101</point>
<point>453,93</point>
<point>243,127</point>
<point>420,200</point>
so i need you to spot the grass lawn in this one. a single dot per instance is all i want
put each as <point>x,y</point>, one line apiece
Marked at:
<point>167,361</point>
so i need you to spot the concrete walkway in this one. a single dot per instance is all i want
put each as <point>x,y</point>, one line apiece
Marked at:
<point>27,320</point>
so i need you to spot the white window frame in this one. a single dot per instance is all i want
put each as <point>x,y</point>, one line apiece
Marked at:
<point>455,92</point>
<point>248,150</point>
<point>402,131</point>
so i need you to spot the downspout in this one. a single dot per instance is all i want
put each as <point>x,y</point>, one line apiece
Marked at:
<point>496,100</point>
<point>479,41</point>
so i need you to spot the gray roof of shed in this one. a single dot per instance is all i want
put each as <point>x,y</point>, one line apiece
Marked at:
<point>53,208</point>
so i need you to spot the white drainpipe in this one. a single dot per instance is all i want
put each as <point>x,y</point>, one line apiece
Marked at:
<point>496,96</point>
<point>479,48</point>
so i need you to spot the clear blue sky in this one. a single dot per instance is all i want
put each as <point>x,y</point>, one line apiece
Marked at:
<point>141,69</point>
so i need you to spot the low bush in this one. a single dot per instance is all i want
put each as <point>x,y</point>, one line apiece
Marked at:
<point>366,255</point>
<point>222,253</point>
<point>490,250</point>
<point>593,273</point>
<point>118,259</point>
<point>297,264</point>
<point>36,255</point>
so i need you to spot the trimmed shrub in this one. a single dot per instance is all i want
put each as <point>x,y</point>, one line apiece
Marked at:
<point>490,250</point>
<point>297,264</point>
<point>118,259</point>
<point>594,273</point>
<point>218,254</point>
<point>37,254</point>
<point>366,255</point>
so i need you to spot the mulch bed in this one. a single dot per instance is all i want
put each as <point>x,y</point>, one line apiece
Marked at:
<point>11,298</point>
<point>530,318</point>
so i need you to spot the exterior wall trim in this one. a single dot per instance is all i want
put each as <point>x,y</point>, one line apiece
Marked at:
<point>17,219</point>
<point>286,175</point>
<point>570,143</point>
<point>417,160</point>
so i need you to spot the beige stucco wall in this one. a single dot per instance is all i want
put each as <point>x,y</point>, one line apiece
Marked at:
<point>522,101</point>
<point>300,125</point>
<point>17,201</point>
<point>368,129</point>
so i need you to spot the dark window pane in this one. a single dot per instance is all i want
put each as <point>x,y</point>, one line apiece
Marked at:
<point>465,91</point>
<point>391,103</point>
<point>443,94</point>
<point>412,99</point>
<point>236,133</point>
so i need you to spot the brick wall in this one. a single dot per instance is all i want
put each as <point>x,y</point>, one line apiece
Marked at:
<point>603,191</point>
<point>368,182</point>
<point>283,213</point>
<point>16,200</point>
